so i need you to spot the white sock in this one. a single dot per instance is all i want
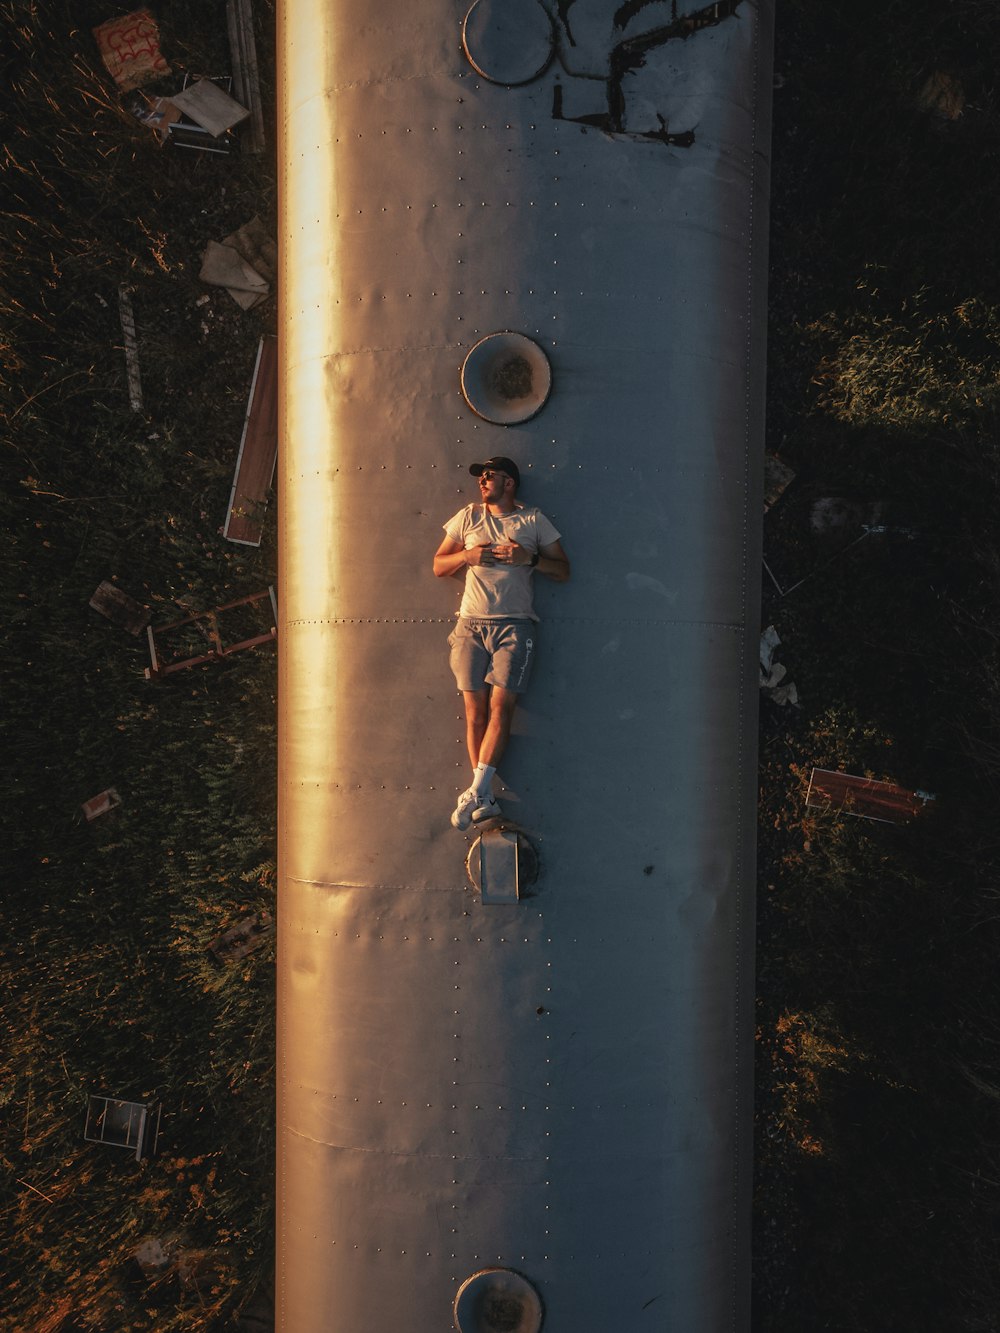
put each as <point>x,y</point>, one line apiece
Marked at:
<point>482,777</point>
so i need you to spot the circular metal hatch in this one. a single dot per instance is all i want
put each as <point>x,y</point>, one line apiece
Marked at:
<point>506,378</point>
<point>508,41</point>
<point>498,1300</point>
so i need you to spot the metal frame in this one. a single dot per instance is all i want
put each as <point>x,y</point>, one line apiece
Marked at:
<point>139,1133</point>
<point>211,619</point>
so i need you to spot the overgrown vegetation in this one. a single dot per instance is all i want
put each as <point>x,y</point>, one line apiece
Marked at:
<point>878,1137</point>
<point>107,984</point>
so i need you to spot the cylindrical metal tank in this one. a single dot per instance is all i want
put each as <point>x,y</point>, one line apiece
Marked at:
<point>560,1086</point>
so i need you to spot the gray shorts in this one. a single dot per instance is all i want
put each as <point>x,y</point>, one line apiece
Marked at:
<point>493,652</point>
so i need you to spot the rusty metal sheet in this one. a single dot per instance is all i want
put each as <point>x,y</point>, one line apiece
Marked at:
<point>867,798</point>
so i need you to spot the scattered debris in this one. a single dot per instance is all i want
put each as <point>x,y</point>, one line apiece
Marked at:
<point>130,49</point>
<point>101,804</point>
<point>222,266</point>
<point>243,50</point>
<point>943,94</point>
<point>156,1257</point>
<point>119,608</point>
<point>205,625</point>
<point>159,113</point>
<point>835,516</point>
<point>131,347</point>
<point>845,793</point>
<point>778,476</point>
<point>258,453</point>
<point>253,242</point>
<point>122,1124</point>
<point>245,263</point>
<point>772,673</point>
<point>243,938</point>
<point>207,105</point>
<point>835,526</point>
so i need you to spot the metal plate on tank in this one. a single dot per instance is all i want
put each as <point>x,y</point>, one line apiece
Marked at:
<point>502,864</point>
<point>497,1300</point>
<point>506,378</point>
<point>508,41</point>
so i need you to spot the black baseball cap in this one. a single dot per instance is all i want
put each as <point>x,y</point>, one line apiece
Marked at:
<point>499,465</point>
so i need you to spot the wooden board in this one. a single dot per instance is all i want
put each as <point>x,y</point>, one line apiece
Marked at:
<point>119,608</point>
<point>243,49</point>
<point>101,804</point>
<point>848,794</point>
<point>258,451</point>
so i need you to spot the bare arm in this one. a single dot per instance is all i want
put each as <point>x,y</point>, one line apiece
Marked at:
<point>553,562</point>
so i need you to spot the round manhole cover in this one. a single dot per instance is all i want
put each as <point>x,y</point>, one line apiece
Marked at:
<point>506,378</point>
<point>498,1300</point>
<point>508,41</point>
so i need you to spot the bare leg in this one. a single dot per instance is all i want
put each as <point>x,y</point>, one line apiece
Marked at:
<point>477,707</point>
<point>501,713</point>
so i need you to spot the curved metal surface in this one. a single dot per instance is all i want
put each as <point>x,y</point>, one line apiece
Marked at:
<point>563,1085</point>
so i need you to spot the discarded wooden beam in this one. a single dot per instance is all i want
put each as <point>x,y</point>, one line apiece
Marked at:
<point>866,798</point>
<point>258,453</point>
<point>243,938</point>
<point>246,79</point>
<point>119,608</point>
<point>131,348</point>
<point>101,804</point>
<point>204,625</point>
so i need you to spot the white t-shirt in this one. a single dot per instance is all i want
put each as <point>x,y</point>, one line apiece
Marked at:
<point>500,592</point>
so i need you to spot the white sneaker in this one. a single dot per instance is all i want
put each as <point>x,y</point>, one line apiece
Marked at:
<point>488,809</point>
<point>462,815</point>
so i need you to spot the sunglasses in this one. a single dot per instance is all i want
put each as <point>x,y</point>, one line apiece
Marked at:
<point>489,473</point>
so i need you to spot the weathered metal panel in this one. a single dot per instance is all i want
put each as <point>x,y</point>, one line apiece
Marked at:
<point>867,798</point>
<point>563,1085</point>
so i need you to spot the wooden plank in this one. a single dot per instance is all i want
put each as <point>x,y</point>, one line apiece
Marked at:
<point>258,453</point>
<point>127,317</point>
<point>101,804</point>
<point>866,798</point>
<point>119,608</point>
<point>246,80</point>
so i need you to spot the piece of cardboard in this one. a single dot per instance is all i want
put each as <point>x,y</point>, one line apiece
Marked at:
<point>222,266</point>
<point>130,49</point>
<point>208,106</point>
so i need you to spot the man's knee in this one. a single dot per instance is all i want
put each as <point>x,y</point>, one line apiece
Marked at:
<point>477,705</point>
<point>502,703</point>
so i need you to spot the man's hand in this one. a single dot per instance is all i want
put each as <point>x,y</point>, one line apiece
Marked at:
<point>509,553</point>
<point>480,555</point>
